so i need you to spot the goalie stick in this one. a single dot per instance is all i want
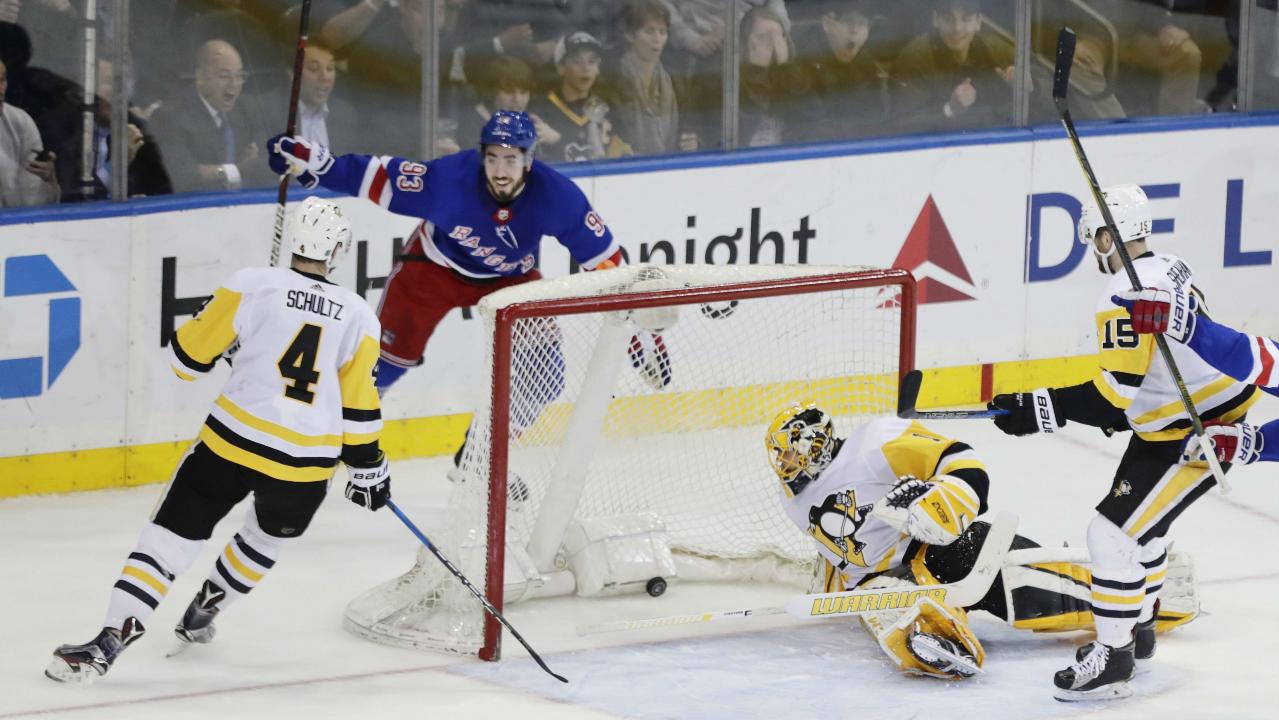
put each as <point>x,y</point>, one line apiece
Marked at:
<point>852,603</point>
<point>908,395</point>
<point>488,606</point>
<point>282,196</point>
<point>1061,82</point>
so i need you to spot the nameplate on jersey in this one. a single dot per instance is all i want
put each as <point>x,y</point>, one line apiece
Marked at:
<point>314,303</point>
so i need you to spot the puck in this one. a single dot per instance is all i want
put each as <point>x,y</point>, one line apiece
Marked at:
<point>655,587</point>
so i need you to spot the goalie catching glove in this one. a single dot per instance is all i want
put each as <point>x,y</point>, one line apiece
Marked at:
<point>1027,413</point>
<point>1160,311</point>
<point>1239,443</point>
<point>303,159</point>
<point>937,511</point>
<point>369,485</point>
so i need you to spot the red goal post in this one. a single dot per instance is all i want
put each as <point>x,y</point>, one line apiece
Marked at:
<point>538,439</point>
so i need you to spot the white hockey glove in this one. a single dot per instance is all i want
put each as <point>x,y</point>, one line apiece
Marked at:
<point>1240,443</point>
<point>369,486</point>
<point>1160,311</point>
<point>938,511</point>
<point>303,159</point>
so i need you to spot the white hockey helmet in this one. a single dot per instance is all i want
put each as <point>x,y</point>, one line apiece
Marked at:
<point>319,230</point>
<point>1131,211</point>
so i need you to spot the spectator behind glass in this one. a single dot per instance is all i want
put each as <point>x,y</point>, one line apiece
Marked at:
<point>645,104</point>
<point>526,29</point>
<point>695,61</point>
<point>505,83</point>
<point>147,175</point>
<point>1159,61</point>
<point>949,79</point>
<point>778,104</point>
<point>26,172</point>
<point>847,75</point>
<point>54,27</point>
<point>322,116</point>
<point>380,42</point>
<point>209,141</point>
<point>574,110</point>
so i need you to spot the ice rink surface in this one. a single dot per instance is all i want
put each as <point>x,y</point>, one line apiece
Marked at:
<point>282,653</point>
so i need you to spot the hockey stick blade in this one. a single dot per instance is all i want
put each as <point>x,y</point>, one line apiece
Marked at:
<point>1061,71</point>
<point>908,396</point>
<point>673,620</point>
<point>488,606</point>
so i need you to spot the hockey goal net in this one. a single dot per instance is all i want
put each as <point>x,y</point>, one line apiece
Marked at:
<point>632,403</point>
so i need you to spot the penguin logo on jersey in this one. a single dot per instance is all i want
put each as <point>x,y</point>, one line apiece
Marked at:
<point>835,523</point>
<point>1123,488</point>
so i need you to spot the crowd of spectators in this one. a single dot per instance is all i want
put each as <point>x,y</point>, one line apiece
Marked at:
<point>208,80</point>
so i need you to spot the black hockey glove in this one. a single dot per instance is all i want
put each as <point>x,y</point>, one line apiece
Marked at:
<point>1027,413</point>
<point>369,485</point>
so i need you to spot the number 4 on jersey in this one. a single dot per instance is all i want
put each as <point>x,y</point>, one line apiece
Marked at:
<point>298,363</point>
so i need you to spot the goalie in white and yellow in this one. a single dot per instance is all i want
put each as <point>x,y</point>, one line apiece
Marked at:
<point>894,504</point>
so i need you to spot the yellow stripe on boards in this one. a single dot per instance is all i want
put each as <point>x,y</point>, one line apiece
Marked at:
<point>279,431</point>
<point>146,577</point>
<point>240,567</point>
<point>81,469</point>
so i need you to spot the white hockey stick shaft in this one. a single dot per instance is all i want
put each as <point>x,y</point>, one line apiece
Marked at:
<point>851,603</point>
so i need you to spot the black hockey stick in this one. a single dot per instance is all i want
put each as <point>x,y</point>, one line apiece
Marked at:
<point>488,606</point>
<point>1061,81</point>
<point>282,198</point>
<point>908,395</point>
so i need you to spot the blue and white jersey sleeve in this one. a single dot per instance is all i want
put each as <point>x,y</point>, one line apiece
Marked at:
<point>582,231</point>
<point>1247,358</point>
<point>405,187</point>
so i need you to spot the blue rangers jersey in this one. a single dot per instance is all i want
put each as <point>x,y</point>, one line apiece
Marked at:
<point>463,227</point>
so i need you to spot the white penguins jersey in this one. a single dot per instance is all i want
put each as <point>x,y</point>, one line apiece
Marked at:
<point>835,508</point>
<point>1134,376</point>
<point>301,387</point>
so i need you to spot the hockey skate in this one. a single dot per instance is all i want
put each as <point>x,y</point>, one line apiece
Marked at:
<point>85,663</point>
<point>197,622</point>
<point>1100,672</point>
<point>1143,637</point>
<point>943,654</point>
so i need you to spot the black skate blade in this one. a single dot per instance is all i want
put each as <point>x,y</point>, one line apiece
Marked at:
<point>1113,691</point>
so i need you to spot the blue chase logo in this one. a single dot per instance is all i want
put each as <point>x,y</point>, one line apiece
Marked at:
<point>28,275</point>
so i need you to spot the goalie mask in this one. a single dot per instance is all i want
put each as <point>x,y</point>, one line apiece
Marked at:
<point>319,230</point>
<point>1131,212</point>
<point>801,443</point>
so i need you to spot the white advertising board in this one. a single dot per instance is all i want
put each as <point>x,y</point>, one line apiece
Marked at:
<point>988,230</point>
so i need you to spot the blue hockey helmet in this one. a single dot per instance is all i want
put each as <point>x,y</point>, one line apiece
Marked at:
<point>509,128</point>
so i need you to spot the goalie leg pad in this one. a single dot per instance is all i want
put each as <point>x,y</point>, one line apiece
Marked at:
<point>1048,596</point>
<point>908,635</point>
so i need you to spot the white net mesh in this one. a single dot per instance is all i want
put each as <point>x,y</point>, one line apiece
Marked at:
<point>684,443</point>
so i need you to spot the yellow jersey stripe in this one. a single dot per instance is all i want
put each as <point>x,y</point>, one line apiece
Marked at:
<point>271,468</point>
<point>270,428</point>
<point>1179,433</point>
<point>184,376</point>
<point>1114,398</point>
<point>207,335</point>
<point>240,567</point>
<point>961,464</point>
<point>360,438</point>
<point>147,578</point>
<point>1175,408</point>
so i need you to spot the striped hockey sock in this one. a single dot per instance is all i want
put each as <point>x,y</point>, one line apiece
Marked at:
<point>244,561</point>
<point>1154,558</point>
<point>1118,581</point>
<point>149,571</point>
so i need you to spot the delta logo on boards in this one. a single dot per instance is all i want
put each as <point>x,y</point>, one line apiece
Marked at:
<point>930,254</point>
<point>34,275</point>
